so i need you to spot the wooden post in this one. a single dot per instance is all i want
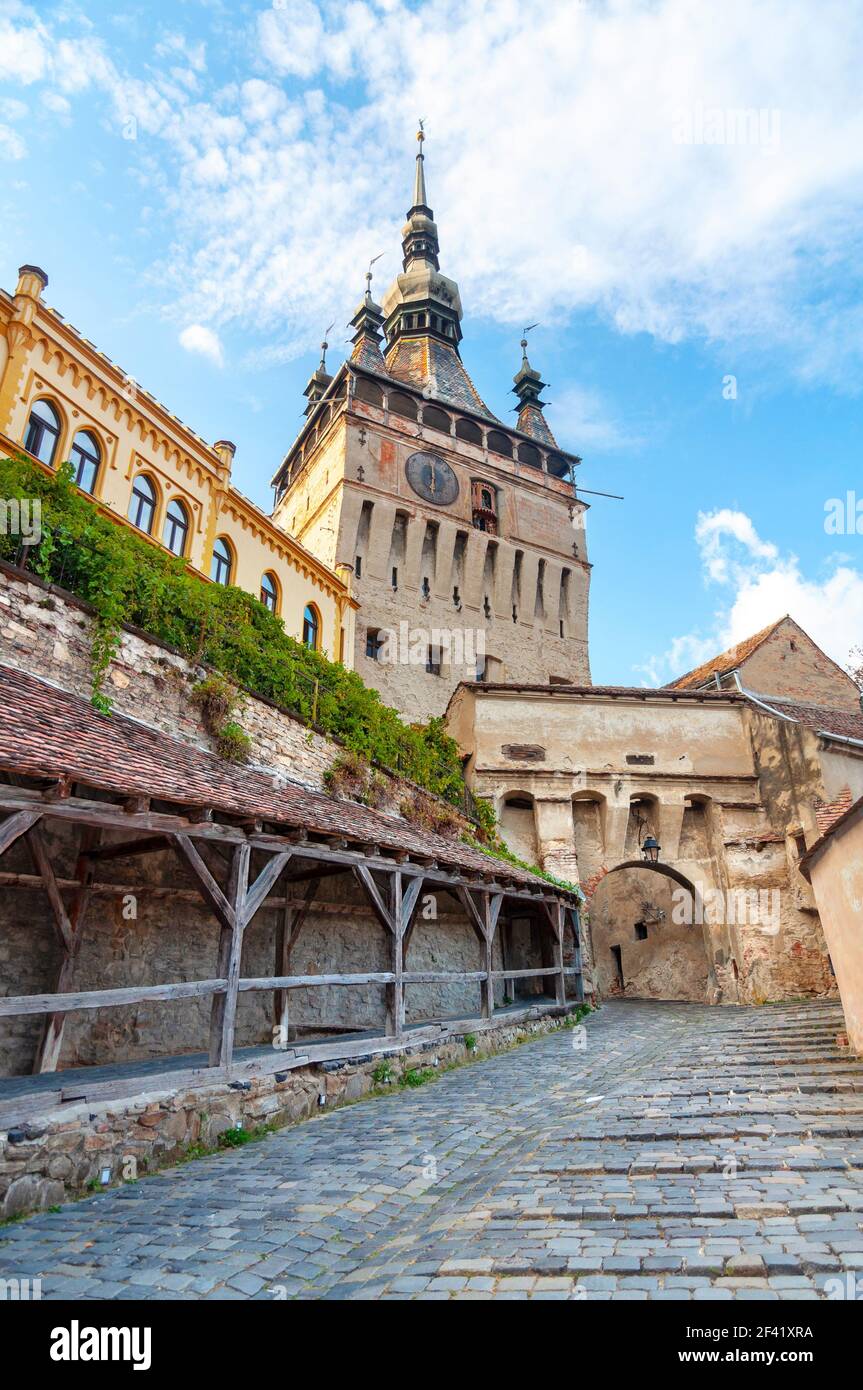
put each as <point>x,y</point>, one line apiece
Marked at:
<point>395,993</point>
<point>560,977</point>
<point>69,928</point>
<point>494,903</point>
<point>288,929</point>
<point>484,921</point>
<point>224,1010</point>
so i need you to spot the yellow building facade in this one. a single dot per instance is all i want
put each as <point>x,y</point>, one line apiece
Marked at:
<point>61,399</point>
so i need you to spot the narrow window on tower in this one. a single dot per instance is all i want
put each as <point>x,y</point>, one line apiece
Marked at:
<point>428,562</point>
<point>539,605</point>
<point>516,584</point>
<point>363,528</point>
<point>458,555</point>
<point>398,546</point>
<point>433,661</point>
<point>565,580</point>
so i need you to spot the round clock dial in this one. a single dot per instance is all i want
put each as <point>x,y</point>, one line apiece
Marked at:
<point>432,479</point>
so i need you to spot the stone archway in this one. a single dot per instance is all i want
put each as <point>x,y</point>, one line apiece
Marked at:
<point>640,948</point>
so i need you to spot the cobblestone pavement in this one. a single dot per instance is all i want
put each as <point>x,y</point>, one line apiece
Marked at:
<point>683,1152</point>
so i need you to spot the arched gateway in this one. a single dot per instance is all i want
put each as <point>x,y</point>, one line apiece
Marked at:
<point>648,933</point>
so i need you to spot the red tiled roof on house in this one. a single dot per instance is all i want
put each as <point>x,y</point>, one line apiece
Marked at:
<point>828,813</point>
<point>844,723</point>
<point>726,661</point>
<point>48,733</point>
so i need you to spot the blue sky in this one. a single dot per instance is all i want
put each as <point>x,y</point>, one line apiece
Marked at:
<point>672,189</point>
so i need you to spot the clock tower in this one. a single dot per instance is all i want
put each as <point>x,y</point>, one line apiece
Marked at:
<point>464,535</point>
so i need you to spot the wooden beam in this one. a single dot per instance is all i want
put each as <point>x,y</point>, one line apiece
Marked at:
<point>224,1011</point>
<point>476,915</point>
<point>287,931</point>
<point>36,844</point>
<point>11,1006</point>
<point>111,817</point>
<point>381,911</point>
<point>128,849</point>
<point>285,982</point>
<point>50,1046</point>
<point>525,974</point>
<point>263,883</point>
<point>395,993</point>
<point>208,886</point>
<point>15,826</point>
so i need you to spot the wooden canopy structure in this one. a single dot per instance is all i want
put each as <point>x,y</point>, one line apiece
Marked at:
<point>128,791</point>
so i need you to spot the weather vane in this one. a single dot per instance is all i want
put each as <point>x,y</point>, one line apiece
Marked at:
<point>324,346</point>
<point>369,273</point>
<point>524,333</point>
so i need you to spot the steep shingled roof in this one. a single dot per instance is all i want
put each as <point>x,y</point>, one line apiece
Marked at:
<point>436,368</point>
<point>727,661</point>
<point>46,732</point>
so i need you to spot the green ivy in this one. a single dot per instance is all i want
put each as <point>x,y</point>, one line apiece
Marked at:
<point>128,580</point>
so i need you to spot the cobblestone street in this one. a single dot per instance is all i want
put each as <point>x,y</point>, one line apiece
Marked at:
<point>684,1152</point>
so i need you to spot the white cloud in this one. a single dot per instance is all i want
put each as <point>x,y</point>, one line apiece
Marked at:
<point>203,341</point>
<point>11,144</point>
<point>555,163</point>
<point>762,585</point>
<point>578,412</point>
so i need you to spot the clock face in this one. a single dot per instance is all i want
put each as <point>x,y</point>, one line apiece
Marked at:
<point>432,479</point>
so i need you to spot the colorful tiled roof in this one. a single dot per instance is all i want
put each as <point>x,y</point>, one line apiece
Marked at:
<point>48,733</point>
<point>828,813</point>
<point>427,363</point>
<point>727,661</point>
<point>532,422</point>
<point>367,353</point>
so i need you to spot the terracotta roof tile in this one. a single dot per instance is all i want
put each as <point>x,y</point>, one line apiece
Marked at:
<point>46,732</point>
<point>533,423</point>
<point>828,813</point>
<point>726,661</point>
<point>820,718</point>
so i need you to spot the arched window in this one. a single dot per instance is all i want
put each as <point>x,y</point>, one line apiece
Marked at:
<point>85,457</point>
<point>222,563</point>
<point>176,532</point>
<point>528,454</point>
<point>142,504</point>
<point>436,419</point>
<point>467,430</point>
<point>43,432</point>
<point>500,443</point>
<point>311,626</point>
<point>402,405</point>
<point>270,591</point>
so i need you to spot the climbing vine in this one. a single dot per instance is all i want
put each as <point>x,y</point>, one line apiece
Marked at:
<point>128,580</point>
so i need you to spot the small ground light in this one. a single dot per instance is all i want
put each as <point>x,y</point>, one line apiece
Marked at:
<point>105,1176</point>
<point>650,850</point>
<point>322,1099</point>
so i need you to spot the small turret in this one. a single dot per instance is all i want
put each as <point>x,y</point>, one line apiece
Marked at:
<point>529,387</point>
<point>319,379</point>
